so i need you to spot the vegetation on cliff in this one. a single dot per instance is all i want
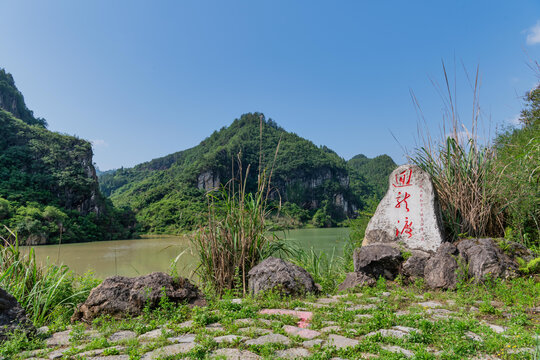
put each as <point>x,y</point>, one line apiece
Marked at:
<point>313,183</point>
<point>48,184</point>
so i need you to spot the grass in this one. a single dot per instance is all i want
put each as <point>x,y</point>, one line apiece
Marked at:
<point>46,293</point>
<point>472,307</point>
<point>462,170</point>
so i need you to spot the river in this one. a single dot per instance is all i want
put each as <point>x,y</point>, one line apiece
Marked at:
<point>156,253</point>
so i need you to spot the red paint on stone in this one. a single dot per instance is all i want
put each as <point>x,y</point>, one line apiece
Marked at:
<point>304,316</point>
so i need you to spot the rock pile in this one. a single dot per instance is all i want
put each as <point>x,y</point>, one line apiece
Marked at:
<point>12,316</point>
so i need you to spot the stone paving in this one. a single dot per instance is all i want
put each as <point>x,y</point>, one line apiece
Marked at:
<point>242,337</point>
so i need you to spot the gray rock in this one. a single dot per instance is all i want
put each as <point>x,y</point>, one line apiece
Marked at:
<point>12,316</point>
<point>120,296</point>
<point>254,330</point>
<point>293,353</point>
<point>430,304</point>
<point>228,338</point>
<point>311,343</point>
<point>281,276</point>
<point>389,333</point>
<point>122,335</point>
<point>235,354</point>
<point>356,279</point>
<point>408,213</point>
<point>341,342</point>
<point>150,335</point>
<point>397,349</point>
<point>301,332</point>
<point>377,260</point>
<point>169,350</point>
<point>485,259</point>
<point>110,357</point>
<point>182,339</point>
<point>269,339</point>
<point>59,339</point>
<point>329,329</point>
<point>440,270</point>
<point>413,267</point>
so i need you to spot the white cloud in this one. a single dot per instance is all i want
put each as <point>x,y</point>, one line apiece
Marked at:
<point>514,120</point>
<point>533,34</point>
<point>99,143</point>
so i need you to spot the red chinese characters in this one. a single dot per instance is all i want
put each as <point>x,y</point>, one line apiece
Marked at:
<point>403,179</point>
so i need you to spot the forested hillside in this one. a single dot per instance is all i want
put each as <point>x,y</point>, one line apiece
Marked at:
<point>375,171</point>
<point>313,183</point>
<point>48,183</point>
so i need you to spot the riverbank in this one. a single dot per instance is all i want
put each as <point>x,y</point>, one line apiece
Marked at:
<point>497,320</point>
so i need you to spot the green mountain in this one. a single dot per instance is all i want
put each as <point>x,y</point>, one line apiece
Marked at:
<point>376,171</point>
<point>48,183</point>
<point>313,183</point>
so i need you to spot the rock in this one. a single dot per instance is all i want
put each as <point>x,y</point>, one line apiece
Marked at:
<point>182,339</point>
<point>122,335</point>
<point>254,330</point>
<point>440,270</point>
<point>292,353</point>
<point>279,275</point>
<point>389,333</point>
<point>59,339</point>
<point>408,213</point>
<point>235,354</point>
<point>228,338</point>
<point>413,267</point>
<point>341,342</point>
<point>430,304</point>
<point>397,349</point>
<point>378,260</point>
<point>151,335</point>
<point>356,279</point>
<point>270,339</point>
<point>311,343</point>
<point>303,316</point>
<point>12,316</point>
<point>485,259</point>
<point>120,296</point>
<point>110,357</point>
<point>303,333</point>
<point>473,336</point>
<point>169,350</point>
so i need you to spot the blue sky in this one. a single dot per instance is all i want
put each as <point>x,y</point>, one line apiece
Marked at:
<point>143,79</point>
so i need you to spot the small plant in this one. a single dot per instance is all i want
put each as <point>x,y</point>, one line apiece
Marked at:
<point>529,268</point>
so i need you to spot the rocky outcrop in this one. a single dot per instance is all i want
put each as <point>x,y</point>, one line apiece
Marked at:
<point>413,267</point>
<point>281,276</point>
<point>121,296</point>
<point>378,260</point>
<point>12,316</point>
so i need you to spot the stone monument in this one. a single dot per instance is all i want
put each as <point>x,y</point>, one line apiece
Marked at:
<point>409,213</point>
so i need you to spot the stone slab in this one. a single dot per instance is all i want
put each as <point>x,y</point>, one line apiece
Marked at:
<point>408,213</point>
<point>301,332</point>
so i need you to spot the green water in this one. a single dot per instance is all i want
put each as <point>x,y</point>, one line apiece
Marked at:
<point>155,253</point>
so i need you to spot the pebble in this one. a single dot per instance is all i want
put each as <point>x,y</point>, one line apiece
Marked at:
<point>122,335</point>
<point>182,339</point>
<point>397,349</point>
<point>58,339</point>
<point>341,342</point>
<point>235,354</point>
<point>473,336</point>
<point>168,351</point>
<point>270,339</point>
<point>497,328</point>
<point>301,332</point>
<point>330,329</point>
<point>293,353</point>
<point>311,343</point>
<point>228,338</point>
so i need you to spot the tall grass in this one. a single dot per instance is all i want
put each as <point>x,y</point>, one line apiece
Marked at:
<point>46,293</point>
<point>236,237</point>
<point>461,169</point>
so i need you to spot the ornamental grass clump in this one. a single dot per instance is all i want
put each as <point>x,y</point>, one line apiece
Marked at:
<point>462,171</point>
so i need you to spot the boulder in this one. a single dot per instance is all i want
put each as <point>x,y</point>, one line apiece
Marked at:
<point>355,279</point>
<point>440,269</point>
<point>409,213</point>
<point>12,316</point>
<point>120,296</point>
<point>485,259</point>
<point>282,276</point>
<point>413,267</point>
<point>378,260</point>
